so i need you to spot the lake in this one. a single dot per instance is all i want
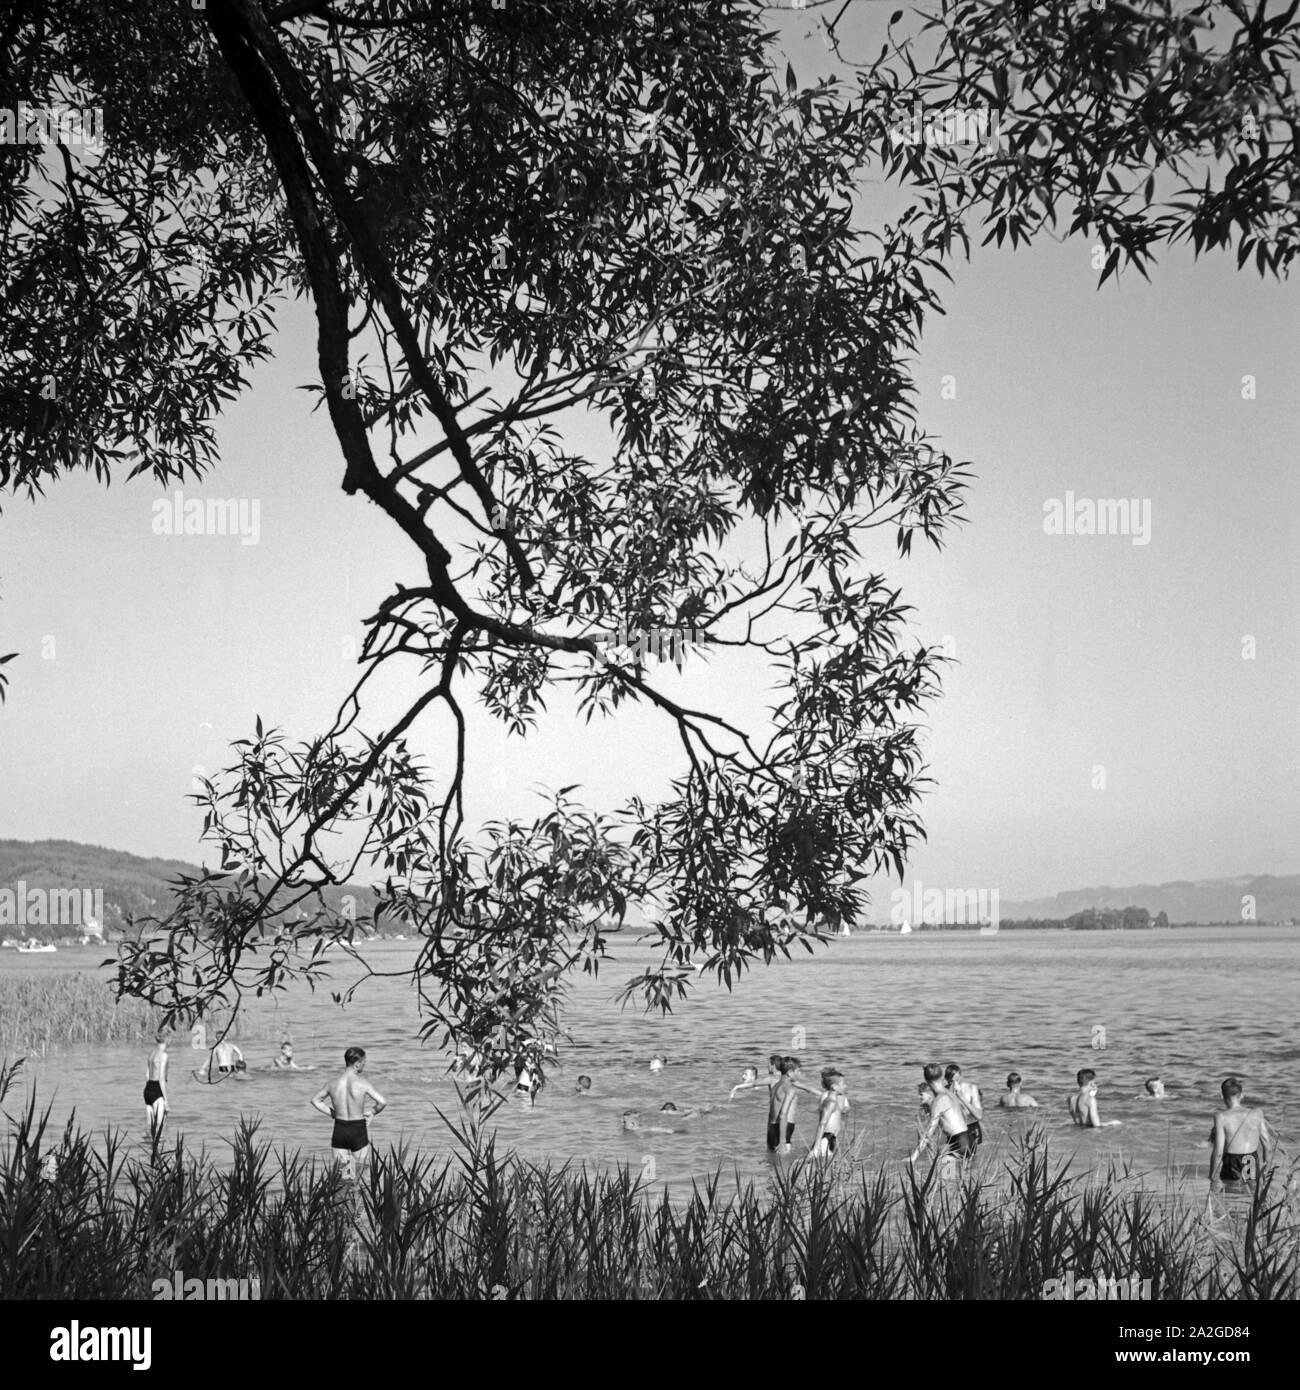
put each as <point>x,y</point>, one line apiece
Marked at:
<point>1193,1005</point>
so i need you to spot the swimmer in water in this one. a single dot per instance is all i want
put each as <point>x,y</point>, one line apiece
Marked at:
<point>1015,1098</point>
<point>285,1062</point>
<point>970,1100</point>
<point>748,1081</point>
<point>1083,1105</point>
<point>632,1123</point>
<point>583,1086</point>
<point>1155,1088</point>
<point>830,1117</point>
<point>1241,1137</point>
<point>658,1063</point>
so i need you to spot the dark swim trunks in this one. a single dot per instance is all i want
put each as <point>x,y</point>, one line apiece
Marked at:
<point>152,1092</point>
<point>789,1132</point>
<point>976,1135</point>
<point>350,1134</point>
<point>1235,1167</point>
<point>959,1143</point>
<point>830,1142</point>
<point>773,1135</point>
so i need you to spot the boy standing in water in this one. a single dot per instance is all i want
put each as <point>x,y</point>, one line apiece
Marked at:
<point>970,1100</point>
<point>945,1115</point>
<point>830,1117</point>
<point>1083,1105</point>
<point>1241,1140</point>
<point>776,1107</point>
<point>344,1101</point>
<point>155,1086</point>
<point>782,1105</point>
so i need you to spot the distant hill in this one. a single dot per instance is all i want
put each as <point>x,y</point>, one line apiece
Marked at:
<point>1277,899</point>
<point>130,884</point>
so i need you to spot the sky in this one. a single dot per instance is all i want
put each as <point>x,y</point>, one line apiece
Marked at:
<point>1118,712</point>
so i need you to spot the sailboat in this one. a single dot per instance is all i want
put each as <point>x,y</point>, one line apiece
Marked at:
<point>34,947</point>
<point>905,929</point>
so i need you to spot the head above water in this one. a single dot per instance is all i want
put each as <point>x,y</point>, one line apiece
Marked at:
<point>1154,1086</point>
<point>829,1077</point>
<point>1231,1088</point>
<point>790,1065</point>
<point>658,1062</point>
<point>749,1074</point>
<point>584,1083</point>
<point>950,1071</point>
<point>353,1056</point>
<point>924,1091</point>
<point>933,1073</point>
<point>1013,1080</point>
<point>1083,1076</point>
<point>774,1062</point>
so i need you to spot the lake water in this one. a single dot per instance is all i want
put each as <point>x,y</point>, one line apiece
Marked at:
<point>1193,1005</point>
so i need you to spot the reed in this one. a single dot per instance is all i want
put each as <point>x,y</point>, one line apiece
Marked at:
<point>53,1009</point>
<point>80,1219</point>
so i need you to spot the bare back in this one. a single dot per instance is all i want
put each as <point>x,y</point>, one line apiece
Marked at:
<point>776,1099</point>
<point>348,1095</point>
<point>971,1102</point>
<point>1241,1131</point>
<point>157,1065</point>
<point>947,1109</point>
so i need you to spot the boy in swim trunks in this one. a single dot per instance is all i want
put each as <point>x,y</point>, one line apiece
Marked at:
<point>830,1117</point>
<point>1241,1140</point>
<point>970,1100</point>
<point>344,1101</point>
<point>155,1086</point>
<point>782,1105</point>
<point>945,1114</point>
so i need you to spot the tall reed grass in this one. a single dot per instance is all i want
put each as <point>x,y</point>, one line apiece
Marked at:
<point>56,1008</point>
<point>49,1008</point>
<point>85,1220</point>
